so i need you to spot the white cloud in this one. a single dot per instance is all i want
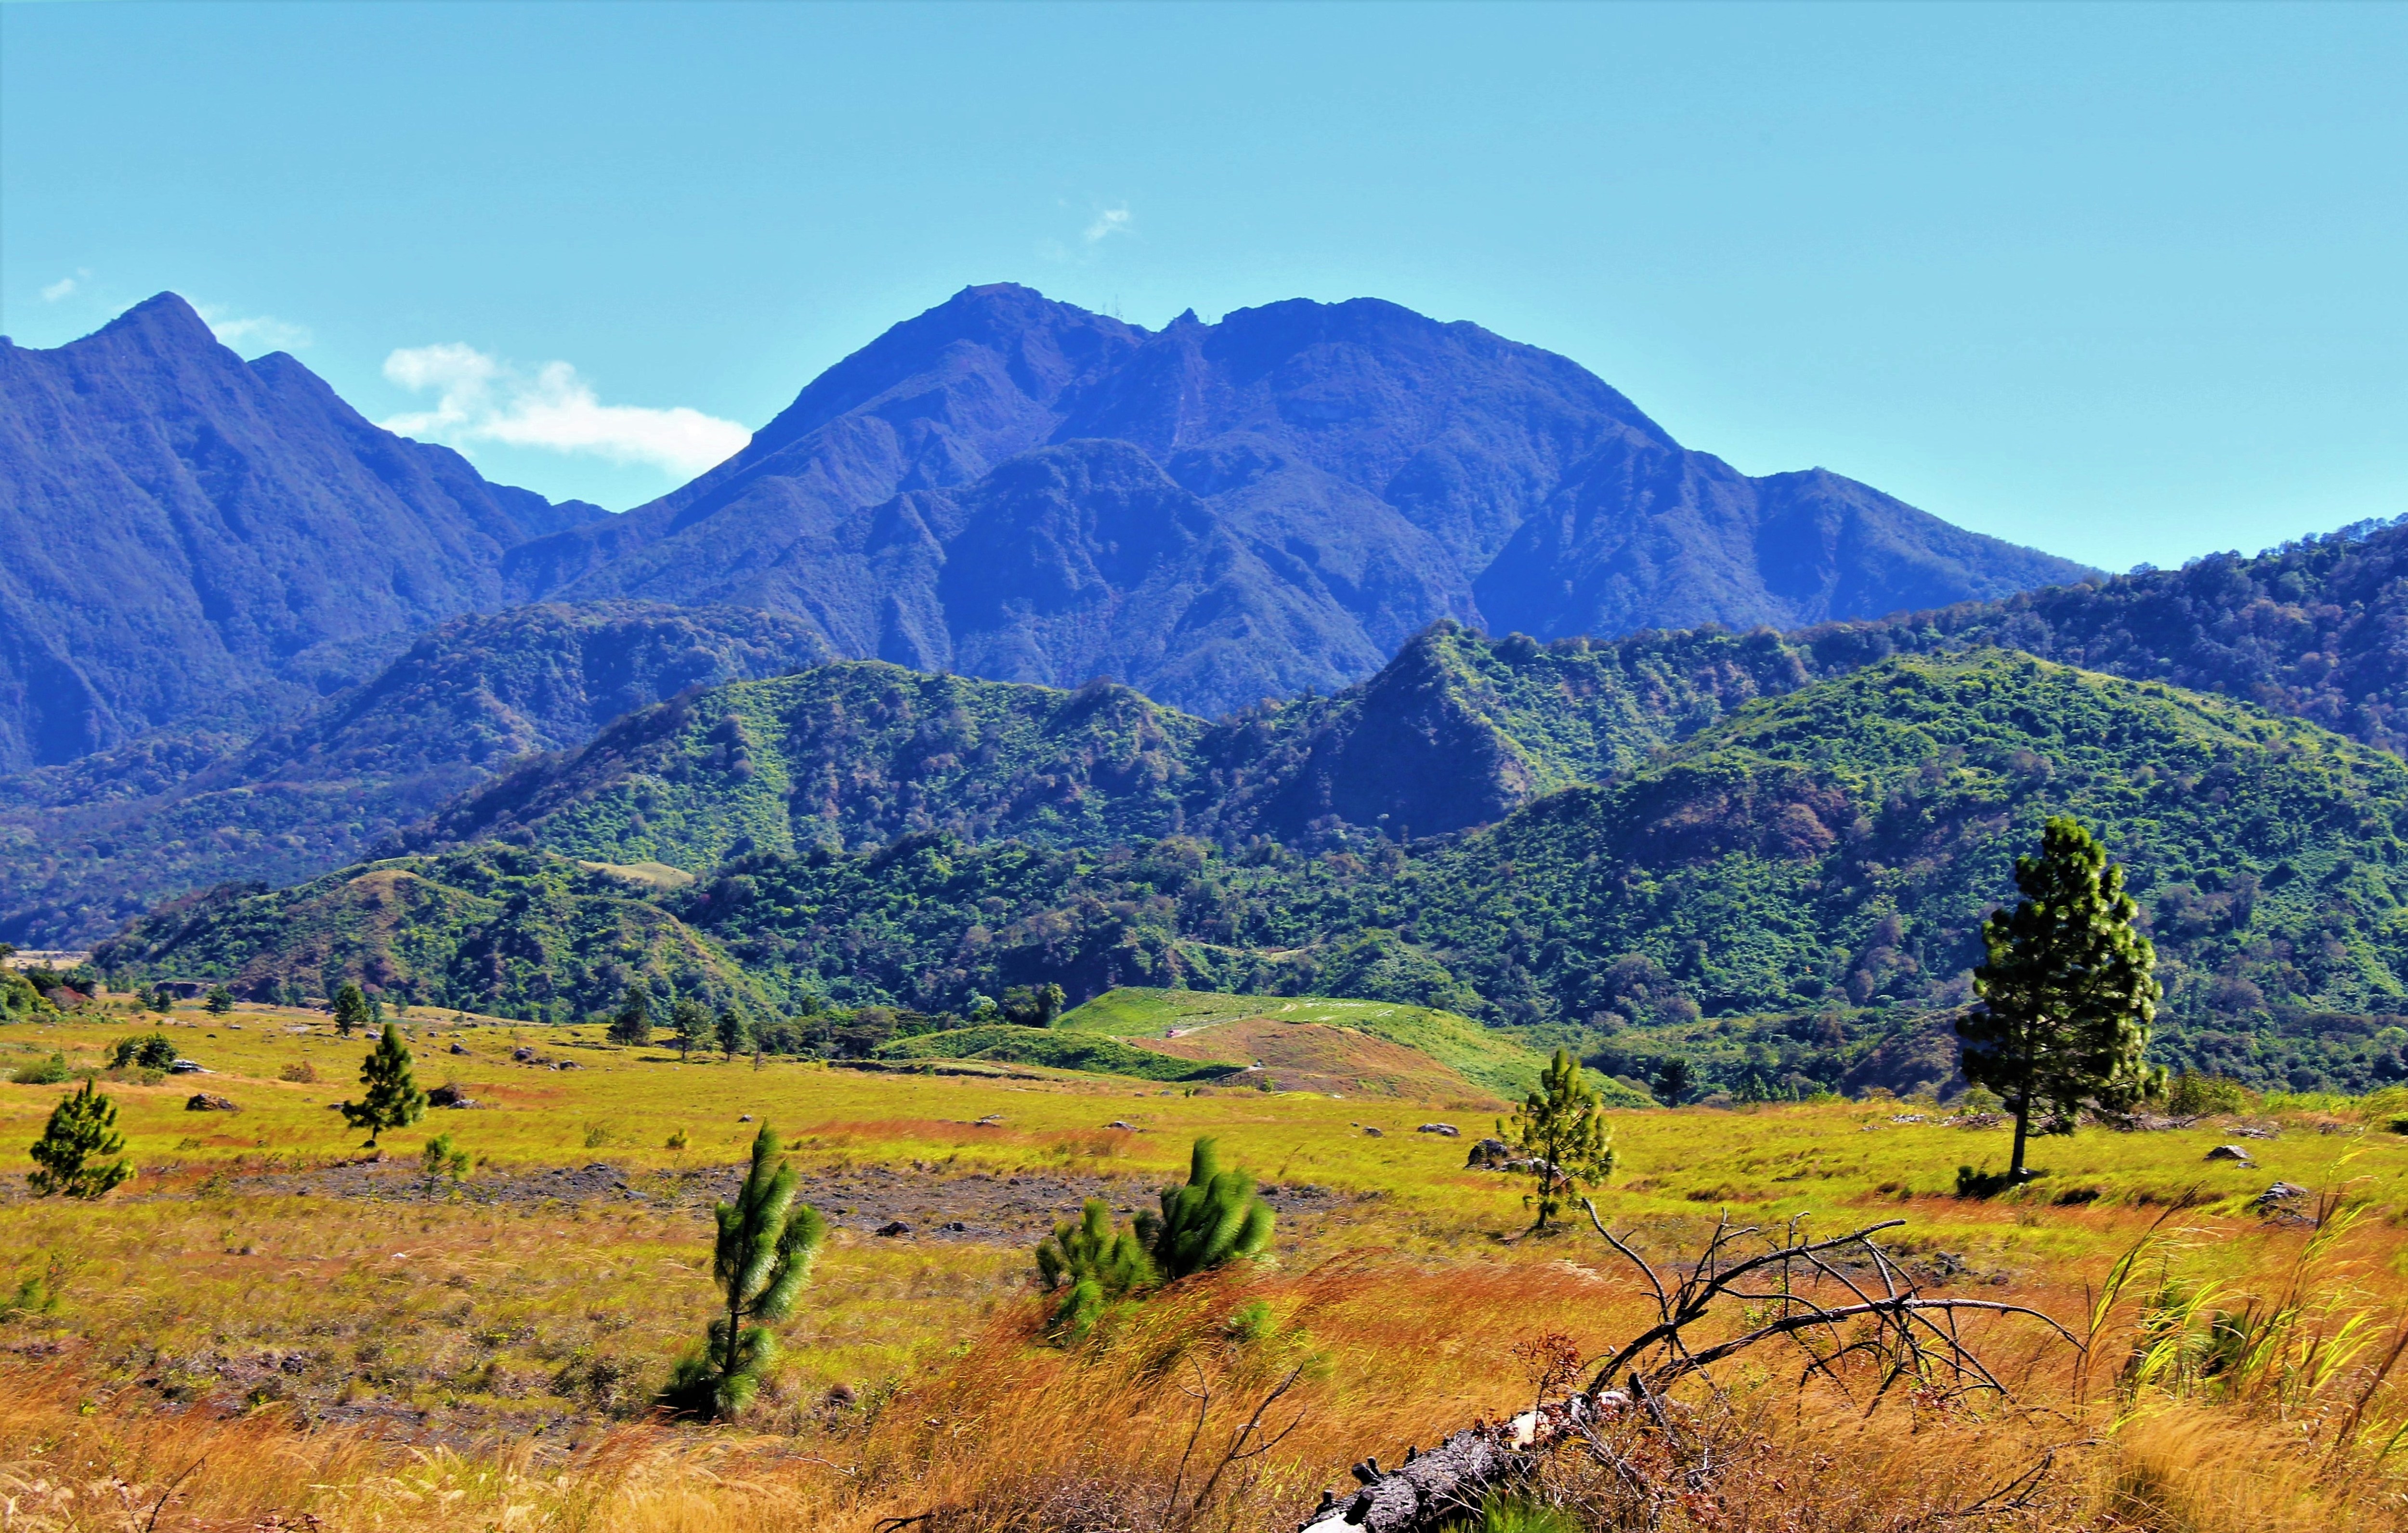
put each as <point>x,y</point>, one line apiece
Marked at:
<point>1112,220</point>
<point>260,330</point>
<point>60,289</point>
<point>481,399</point>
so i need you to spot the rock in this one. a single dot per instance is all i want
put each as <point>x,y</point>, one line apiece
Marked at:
<point>2276,1196</point>
<point>2229,1152</point>
<point>1116,1123</point>
<point>185,1066</point>
<point>204,1102</point>
<point>1370,1132</point>
<point>843,1396</point>
<point>523,1056</point>
<point>744,1117</point>
<point>897,1227</point>
<point>458,1047</point>
<point>1489,1154</point>
<point>958,1227</point>
<point>1443,1130</point>
<point>992,1120</point>
<point>448,1096</point>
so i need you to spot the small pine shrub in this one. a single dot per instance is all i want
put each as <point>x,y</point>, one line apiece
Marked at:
<point>1090,1265</point>
<point>766,1246</point>
<point>74,1157</point>
<point>1214,1218</point>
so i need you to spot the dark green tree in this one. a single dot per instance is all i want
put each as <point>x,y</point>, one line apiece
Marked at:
<point>162,999</point>
<point>350,1008</point>
<point>1216,1217</point>
<point>1091,1264</point>
<point>734,1035</point>
<point>392,1099</point>
<point>219,1001</point>
<point>2066,994</point>
<point>689,1021</point>
<point>74,1157</point>
<point>1672,1083</point>
<point>766,1242</point>
<point>1560,1130</point>
<point>146,1052</point>
<point>633,1025</point>
<point>1033,1006</point>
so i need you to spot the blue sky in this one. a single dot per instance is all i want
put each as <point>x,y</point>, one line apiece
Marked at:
<point>2124,283</point>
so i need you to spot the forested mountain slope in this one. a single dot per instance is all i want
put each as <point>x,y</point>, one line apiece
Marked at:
<point>1825,852</point>
<point>183,533</point>
<point>86,845</point>
<point>1455,732</point>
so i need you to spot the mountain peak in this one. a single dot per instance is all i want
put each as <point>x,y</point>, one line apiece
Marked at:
<point>165,319</point>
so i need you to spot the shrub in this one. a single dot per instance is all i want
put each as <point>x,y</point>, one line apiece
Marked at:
<point>2192,1095</point>
<point>48,1072</point>
<point>300,1072</point>
<point>1214,1218</point>
<point>219,1001</point>
<point>149,1052</point>
<point>1090,1265</point>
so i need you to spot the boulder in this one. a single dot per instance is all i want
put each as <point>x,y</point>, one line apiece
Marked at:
<point>203,1102</point>
<point>1489,1154</point>
<point>1116,1123</point>
<point>1372,1133</point>
<point>894,1228</point>
<point>523,1055</point>
<point>2229,1152</point>
<point>449,1095</point>
<point>458,1047</point>
<point>2276,1196</point>
<point>1447,1131</point>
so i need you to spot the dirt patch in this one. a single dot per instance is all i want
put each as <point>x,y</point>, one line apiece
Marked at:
<point>1314,1056</point>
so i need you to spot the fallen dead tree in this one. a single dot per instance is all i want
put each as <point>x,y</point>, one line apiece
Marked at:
<point>1845,1307</point>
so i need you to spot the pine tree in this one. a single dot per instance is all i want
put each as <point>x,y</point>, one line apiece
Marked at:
<point>219,1001</point>
<point>2066,994</point>
<point>442,1161</point>
<point>690,1020</point>
<point>72,1158</point>
<point>733,1033</point>
<point>1673,1081</point>
<point>350,1008</point>
<point>1090,1265</point>
<point>766,1242</point>
<point>1560,1131</point>
<point>633,1025</point>
<point>1216,1217</point>
<point>392,1099</point>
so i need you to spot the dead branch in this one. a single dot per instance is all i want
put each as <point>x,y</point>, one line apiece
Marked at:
<point>1844,1299</point>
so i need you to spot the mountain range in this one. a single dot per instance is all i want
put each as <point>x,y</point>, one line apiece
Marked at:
<point>1004,486</point>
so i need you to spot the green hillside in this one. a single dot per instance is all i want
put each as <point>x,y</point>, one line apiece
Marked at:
<point>1479,1054</point>
<point>1090,1053</point>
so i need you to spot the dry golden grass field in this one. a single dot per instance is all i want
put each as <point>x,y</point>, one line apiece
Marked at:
<point>268,1330</point>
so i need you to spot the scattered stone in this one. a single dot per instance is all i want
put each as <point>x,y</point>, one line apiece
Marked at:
<point>458,1047</point>
<point>1370,1132</point>
<point>958,1227</point>
<point>2229,1152</point>
<point>1489,1154</point>
<point>894,1228</point>
<point>1444,1131</point>
<point>992,1120</point>
<point>204,1102</point>
<point>2276,1196</point>
<point>568,1065</point>
<point>1116,1123</point>
<point>744,1118</point>
<point>523,1055</point>
<point>185,1066</point>
<point>1909,1118</point>
<point>843,1396</point>
<point>448,1095</point>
